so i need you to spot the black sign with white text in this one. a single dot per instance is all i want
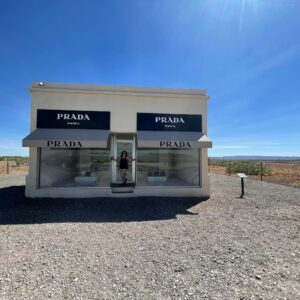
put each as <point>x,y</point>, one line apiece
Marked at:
<point>73,119</point>
<point>169,122</point>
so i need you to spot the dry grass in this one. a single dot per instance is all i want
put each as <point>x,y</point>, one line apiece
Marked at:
<point>285,169</point>
<point>217,170</point>
<point>13,168</point>
<point>286,173</point>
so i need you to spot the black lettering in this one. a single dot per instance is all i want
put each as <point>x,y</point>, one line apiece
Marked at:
<point>169,144</point>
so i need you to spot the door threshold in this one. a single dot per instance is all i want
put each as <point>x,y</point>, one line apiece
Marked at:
<point>120,184</point>
<point>122,188</point>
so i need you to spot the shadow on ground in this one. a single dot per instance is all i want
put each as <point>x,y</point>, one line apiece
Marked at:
<point>15,208</point>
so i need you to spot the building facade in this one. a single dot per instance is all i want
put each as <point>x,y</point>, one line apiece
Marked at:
<point>77,132</point>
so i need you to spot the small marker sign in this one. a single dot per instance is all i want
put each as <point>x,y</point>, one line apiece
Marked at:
<point>242,176</point>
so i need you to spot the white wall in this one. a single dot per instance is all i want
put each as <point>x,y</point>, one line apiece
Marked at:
<point>123,103</point>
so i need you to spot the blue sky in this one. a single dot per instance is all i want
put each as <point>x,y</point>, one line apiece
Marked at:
<point>246,53</point>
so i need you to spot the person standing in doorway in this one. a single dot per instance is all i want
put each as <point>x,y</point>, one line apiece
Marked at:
<point>123,165</point>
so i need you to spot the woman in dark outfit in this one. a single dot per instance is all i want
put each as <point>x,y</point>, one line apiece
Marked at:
<point>123,165</point>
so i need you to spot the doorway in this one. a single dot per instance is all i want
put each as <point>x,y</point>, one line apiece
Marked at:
<point>120,144</point>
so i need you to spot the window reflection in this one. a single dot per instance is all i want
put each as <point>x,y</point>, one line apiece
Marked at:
<point>74,167</point>
<point>168,167</point>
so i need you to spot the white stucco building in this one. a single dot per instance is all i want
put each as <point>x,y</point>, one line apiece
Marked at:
<point>76,129</point>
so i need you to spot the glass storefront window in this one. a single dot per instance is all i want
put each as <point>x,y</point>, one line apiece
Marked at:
<point>168,167</point>
<point>74,167</point>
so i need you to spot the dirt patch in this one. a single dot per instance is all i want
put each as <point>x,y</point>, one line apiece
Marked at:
<point>217,170</point>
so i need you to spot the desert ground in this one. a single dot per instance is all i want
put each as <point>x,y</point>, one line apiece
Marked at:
<point>286,173</point>
<point>151,248</point>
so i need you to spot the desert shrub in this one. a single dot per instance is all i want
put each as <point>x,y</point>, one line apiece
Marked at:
<point>248,167</point>
<point>217,162</point>
<point>265,170</point>
<point>19,160</point>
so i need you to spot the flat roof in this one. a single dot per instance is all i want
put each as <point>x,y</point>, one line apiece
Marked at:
<point>40,87</point>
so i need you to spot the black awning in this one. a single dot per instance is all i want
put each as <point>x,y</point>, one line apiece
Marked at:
<point>67,138</point>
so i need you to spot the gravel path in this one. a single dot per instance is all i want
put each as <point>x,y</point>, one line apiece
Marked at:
<point>151,248</point>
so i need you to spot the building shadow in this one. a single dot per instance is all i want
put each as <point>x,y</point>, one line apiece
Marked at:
<point>15,208</point>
